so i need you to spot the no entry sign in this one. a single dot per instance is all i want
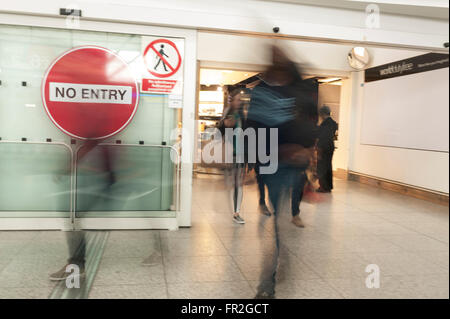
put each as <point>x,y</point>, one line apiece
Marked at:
<point>163,60</point>
<point>89,92</point>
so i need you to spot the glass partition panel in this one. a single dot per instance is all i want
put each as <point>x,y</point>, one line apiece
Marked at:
<point>29,171</point>
<point>126,181</point>
<point>35,178</point>
<point>25,55</point>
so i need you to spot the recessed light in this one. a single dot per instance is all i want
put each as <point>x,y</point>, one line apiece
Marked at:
<point>329,80</point>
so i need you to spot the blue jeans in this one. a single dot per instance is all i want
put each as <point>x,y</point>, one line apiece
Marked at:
<point>278,183</point>
<point>281,181</point>
<point>297,191</point>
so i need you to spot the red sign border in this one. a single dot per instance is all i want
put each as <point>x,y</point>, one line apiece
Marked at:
<point>44,79</point>
<point>176,50</point>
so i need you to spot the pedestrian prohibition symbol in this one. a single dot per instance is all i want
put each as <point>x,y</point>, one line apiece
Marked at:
<point>90,92</point>
<point>162,58</point>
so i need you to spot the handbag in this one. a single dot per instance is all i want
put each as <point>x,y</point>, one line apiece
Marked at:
<point>295,155</point>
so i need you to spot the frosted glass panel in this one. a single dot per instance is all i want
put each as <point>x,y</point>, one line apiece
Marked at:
<point>34,177</point>
<point>25,55</point>
<point>137,180</point>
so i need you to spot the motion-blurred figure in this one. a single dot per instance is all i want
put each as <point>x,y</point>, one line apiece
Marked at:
<point>325,149</point>
<point>277,103</point>
<point>100,161</point>
<point>234,118</point>
<point>306,112</point>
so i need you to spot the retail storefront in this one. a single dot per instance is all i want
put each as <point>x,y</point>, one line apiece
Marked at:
<point>48,73</point>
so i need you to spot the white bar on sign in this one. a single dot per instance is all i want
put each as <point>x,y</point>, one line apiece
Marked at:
<point>90,93</point>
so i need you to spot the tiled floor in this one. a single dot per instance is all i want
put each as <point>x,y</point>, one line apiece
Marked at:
<point>355,226</point>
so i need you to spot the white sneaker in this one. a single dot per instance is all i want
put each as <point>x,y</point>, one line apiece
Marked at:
<point>238,219</point>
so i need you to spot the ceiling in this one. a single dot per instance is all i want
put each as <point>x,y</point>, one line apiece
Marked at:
<point>435,9</point>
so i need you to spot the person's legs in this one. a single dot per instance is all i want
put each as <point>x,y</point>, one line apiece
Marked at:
<point>76,241</point>
<point>238,179</point>
<point>330,171</point>
<point>321,171</point>
<point>237,193</point>
<point>297,195</point>
<point>262,207</point>
<point>323,168</point>
<point>261,189</point>
<point>297,191</point>
<point>77,248</point>
<point>77,251</point>
<point>276,183</point>
<point>267,281</point>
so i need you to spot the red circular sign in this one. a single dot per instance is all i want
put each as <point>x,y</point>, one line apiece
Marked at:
<point>89,92</point>
<point>173,68</point>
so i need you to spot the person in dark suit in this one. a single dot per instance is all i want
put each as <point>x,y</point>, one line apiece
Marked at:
<point>325,150</point>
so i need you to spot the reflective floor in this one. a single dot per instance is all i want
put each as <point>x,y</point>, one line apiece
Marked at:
<point>355,226</point>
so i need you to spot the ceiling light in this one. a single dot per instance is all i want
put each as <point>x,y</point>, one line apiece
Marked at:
<point>327,80</point>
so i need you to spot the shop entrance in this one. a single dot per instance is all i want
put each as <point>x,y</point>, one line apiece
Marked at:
<point>215,86</point>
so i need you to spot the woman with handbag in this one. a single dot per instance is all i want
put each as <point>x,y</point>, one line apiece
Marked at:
<point>233,118</point>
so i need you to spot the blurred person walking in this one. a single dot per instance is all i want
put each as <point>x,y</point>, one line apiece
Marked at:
<point>233,119</point>
<point>306,111</point>
<point>100,162</point>
<point>276,104</point>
